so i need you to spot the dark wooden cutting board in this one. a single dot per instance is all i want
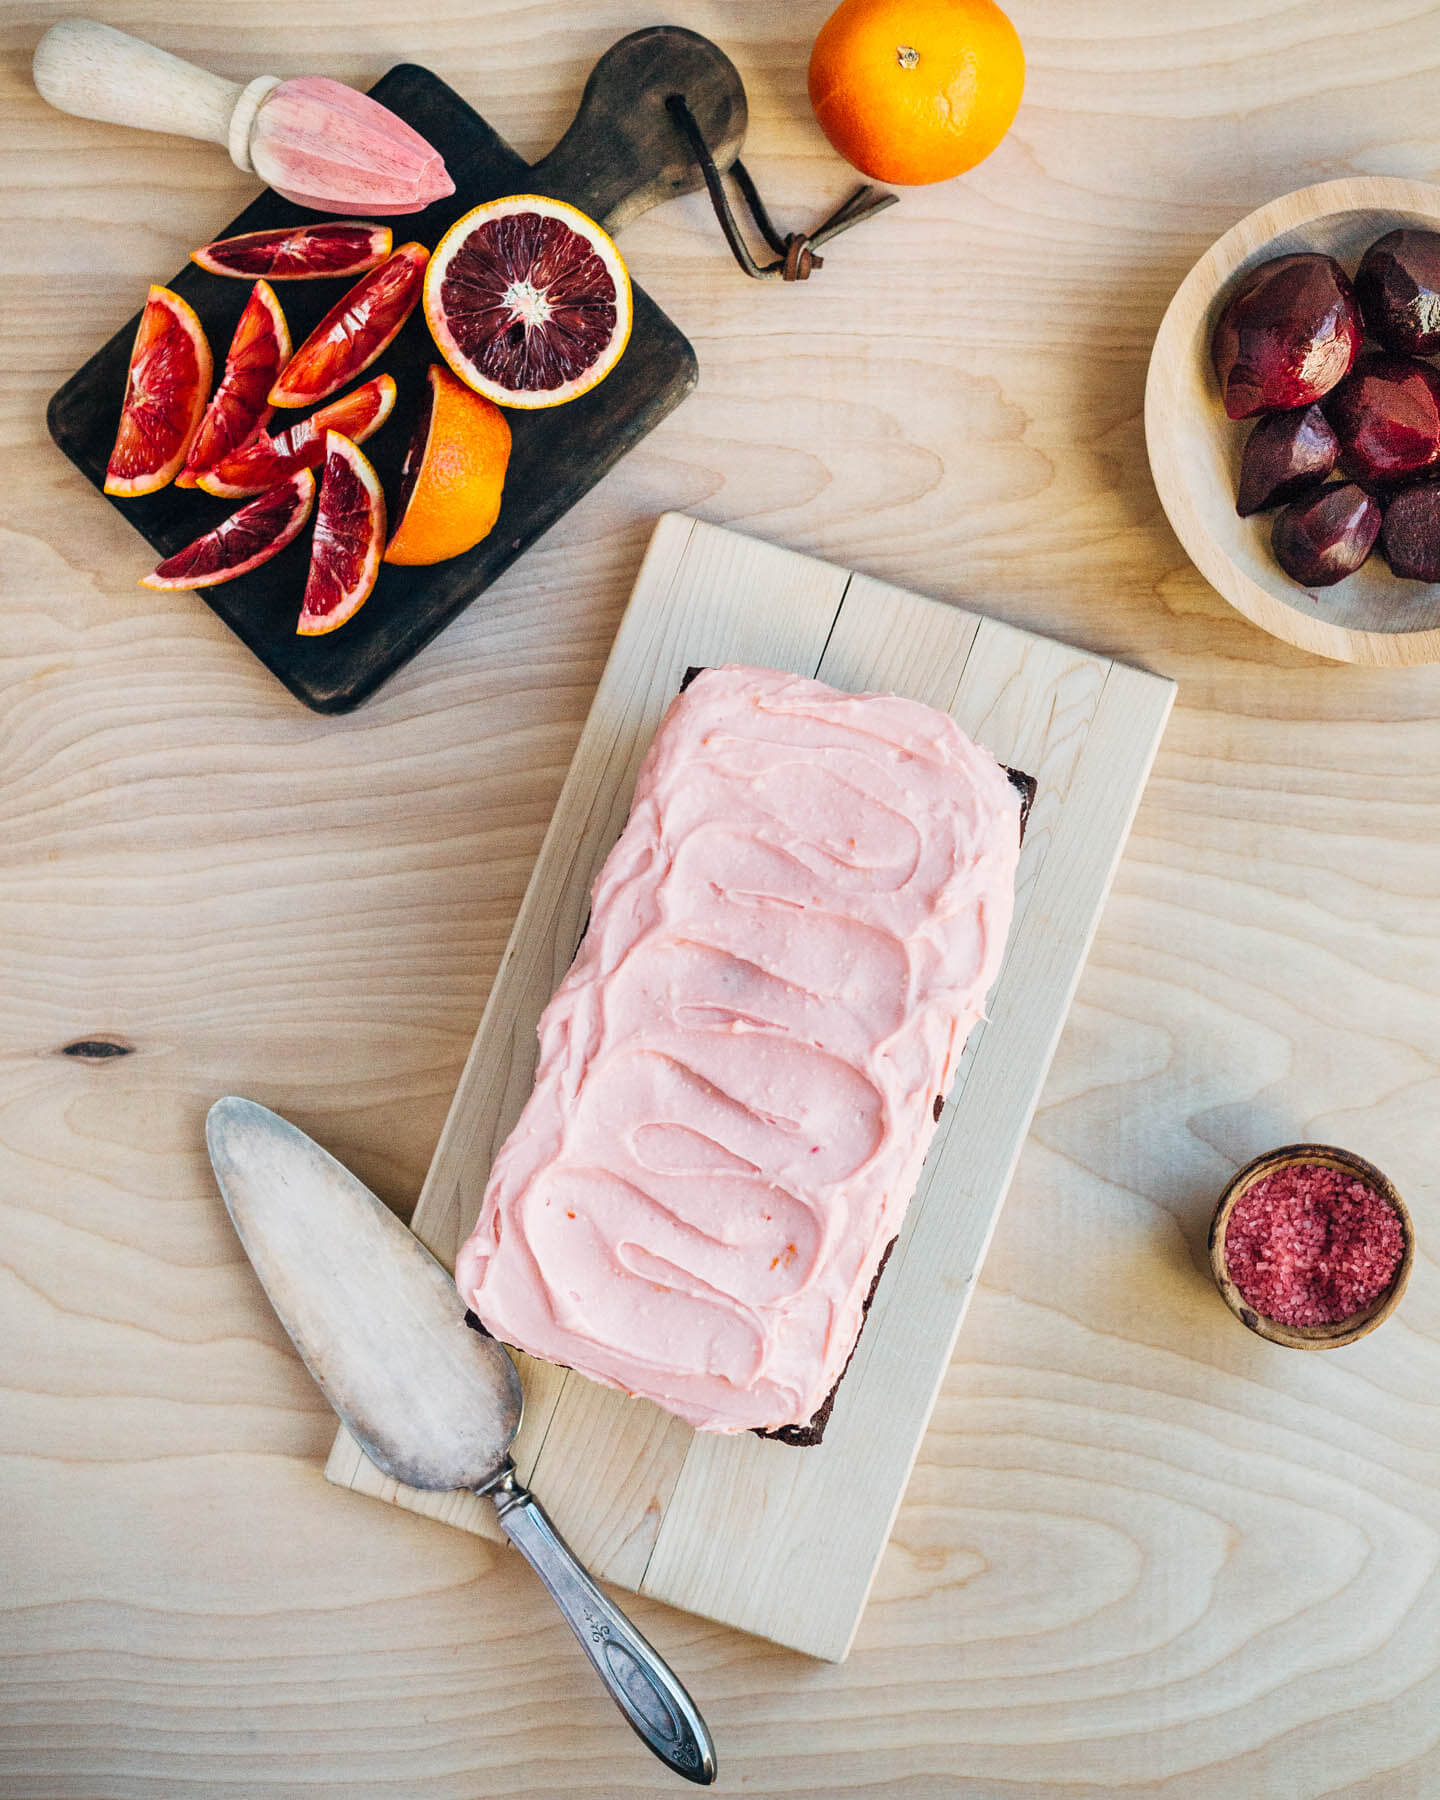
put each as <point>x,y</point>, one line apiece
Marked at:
<point>622,154</point>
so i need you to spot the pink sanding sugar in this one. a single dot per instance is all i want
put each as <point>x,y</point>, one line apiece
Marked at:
<point>1311,1246</point>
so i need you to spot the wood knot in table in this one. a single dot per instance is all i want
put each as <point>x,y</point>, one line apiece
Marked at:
<point>97,1049</point>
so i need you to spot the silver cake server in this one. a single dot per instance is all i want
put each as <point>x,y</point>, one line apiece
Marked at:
<point>431,1402</point>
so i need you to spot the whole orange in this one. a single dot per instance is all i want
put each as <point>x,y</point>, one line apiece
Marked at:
<point>916,90</point>
<point>453,475</point>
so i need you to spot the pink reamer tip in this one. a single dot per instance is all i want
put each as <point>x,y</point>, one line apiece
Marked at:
<point>324,145</point>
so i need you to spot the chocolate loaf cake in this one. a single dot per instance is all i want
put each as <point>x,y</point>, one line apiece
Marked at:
<point>738,1076</point>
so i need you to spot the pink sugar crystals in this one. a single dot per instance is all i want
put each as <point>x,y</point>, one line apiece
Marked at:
<point>1312,1245</point>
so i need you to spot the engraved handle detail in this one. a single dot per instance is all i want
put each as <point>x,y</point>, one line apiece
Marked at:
<point>640,1682</point>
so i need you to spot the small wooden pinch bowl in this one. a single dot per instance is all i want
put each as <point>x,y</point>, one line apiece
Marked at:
<point>1372,616</point>
<point>1309,1337</point>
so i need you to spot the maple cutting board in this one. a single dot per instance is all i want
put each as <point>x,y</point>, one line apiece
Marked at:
<point>780,1541</point>
<point>623,153</point>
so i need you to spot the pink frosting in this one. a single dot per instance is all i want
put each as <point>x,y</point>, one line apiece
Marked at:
<point>737,1080</point>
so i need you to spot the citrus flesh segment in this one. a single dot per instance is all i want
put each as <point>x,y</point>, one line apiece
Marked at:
<point>349,536</point>
<point>354,331</point>
<point>267,460</point>
<point>238,409</point>
<point>453,474</point>
<point>299,252</point>
<point>249,537</point>
<point>528,301</point>
<point>165,393</point>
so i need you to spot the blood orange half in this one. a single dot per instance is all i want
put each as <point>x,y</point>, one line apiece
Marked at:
<point>354,331</point>
<point>299,252</point>
<point>238,410</point>
<point>528,301</point>
<point>266,460</point>
<point>349,536</point>
<point>165,393</point>
<point>249,537</point>
<point>453,476</point>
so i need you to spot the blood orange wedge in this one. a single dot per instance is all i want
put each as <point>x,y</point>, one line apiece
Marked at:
<point>249,537</point>
<point>349,536</point>
<point>452,476</point>
<point>266,460</point>
<point>299,252</point>
<point>528,301</point>
<point>238,409</point>
<point>165,394</point>
<point>354,331</point>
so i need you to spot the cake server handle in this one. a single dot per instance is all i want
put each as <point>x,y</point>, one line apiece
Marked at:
<point>641,1683</point>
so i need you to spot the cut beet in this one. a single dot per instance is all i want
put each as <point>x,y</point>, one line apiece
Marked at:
<point>1320,540</point>
<point>1410,534</point>
<point>1386,414</point>
<point>1286,455</point>
<point>1287,334</point>
<point>1398,287</point>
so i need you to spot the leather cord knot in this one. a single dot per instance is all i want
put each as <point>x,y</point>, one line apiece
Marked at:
<point>795,253</point>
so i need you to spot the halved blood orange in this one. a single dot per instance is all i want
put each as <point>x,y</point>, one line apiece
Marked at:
<point>298,252</point>
<point>266,460</point>
<point>165,394</point>
<point>249,537</point>
<point>354,331</point>
<point>238,410</point>
<point>528,301</point>
<point>349,536</point>
<point>453,474</point>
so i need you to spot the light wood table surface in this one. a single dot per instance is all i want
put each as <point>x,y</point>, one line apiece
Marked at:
<point>1143,1552</point>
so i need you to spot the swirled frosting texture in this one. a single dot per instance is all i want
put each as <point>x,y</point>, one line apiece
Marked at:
<point>786,951</point>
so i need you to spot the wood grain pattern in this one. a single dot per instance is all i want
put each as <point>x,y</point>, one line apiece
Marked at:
<point>1141,1553</point>
<point>782,1542</point>
<point>1371,617</point>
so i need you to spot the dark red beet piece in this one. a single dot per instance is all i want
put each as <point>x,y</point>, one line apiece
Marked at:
<point>1386,414</point>
<point>1410,536</point>
<point>1288,333</point>
<point>1286,455</point>
<point>1398,287</point>
<point>1320,540</point>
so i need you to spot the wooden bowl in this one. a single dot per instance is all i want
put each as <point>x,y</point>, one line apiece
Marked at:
<point>1371,617</point>
<point>1309,1337</point>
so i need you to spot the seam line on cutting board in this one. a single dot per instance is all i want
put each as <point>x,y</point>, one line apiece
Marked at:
<point>839,608</point>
